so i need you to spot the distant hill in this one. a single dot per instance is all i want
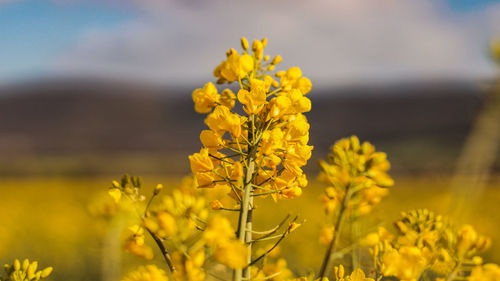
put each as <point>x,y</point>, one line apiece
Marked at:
<point>86,126</point>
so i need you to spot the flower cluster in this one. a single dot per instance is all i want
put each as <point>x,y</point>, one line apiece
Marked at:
<point>25,271</point>
<point>272,134</point>
<point>221,238</point>
<point>356,174</point>
<point>146,273</point>
<point>426,245</point>
<point>179,223</point>
<point>356,275</point>
<point>129,186</point>
<point>357,180</point>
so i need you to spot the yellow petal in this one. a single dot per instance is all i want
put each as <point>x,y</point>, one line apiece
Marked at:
<point>116,194</point>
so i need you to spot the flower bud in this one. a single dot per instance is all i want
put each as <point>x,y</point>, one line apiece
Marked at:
<point>46,272</point>
<point>258,49</point>
<point>158,188</point>
<point>26,263</point>
<point>31,270</point>
<point>277,59</point>
<point>244,43</point>
<point>17,264</point>
<point>264,42</point>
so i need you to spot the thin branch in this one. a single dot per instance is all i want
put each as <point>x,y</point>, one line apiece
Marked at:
<point>272,231</point>
<point>220,159</point>
<point>164,251</point>
<point>274,246</point>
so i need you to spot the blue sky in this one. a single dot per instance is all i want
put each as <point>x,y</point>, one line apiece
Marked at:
<point>34,32</point>
<point>144,38</point>
<point>468,5</point>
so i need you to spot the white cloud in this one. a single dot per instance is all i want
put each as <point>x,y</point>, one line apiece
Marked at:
<point>335,42</point>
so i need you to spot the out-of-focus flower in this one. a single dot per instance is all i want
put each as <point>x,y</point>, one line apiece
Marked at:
<point>487,272</point>
<point>25,271</point>
<point>146,273</point>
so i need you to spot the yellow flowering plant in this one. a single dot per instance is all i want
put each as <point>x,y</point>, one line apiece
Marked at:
<point>180,226</point>
<point>357,179</point>
<point>427,246</point>
<point>257,150</point>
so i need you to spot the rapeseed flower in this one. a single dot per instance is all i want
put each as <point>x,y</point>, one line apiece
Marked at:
<point>146,273</point>
<point>25,271</point>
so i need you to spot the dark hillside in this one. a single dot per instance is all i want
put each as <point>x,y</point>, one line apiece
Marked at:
<point>413,123</point>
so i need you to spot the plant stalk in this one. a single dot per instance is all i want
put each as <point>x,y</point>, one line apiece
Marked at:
<point>337,230</point>
<point>245,219</point>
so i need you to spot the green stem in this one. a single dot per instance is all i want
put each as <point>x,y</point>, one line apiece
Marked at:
<point>337,230</point>
<point>245,219</point>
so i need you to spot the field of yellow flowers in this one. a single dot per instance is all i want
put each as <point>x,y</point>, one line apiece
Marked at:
<point>52,220</point>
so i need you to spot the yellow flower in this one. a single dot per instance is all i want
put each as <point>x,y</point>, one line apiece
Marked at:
<point>382,235</point>
<point>235,67</point>
<point>167,224</point>
<point>219,230</point>
<point>253,101</point>
<point>487,272</point>
<point>300,103</point>
<point>205,179</point>
<point>407,263</point>
<point>210,139</point>
<point>134,242</point>
<point>222,120</point>
<point>298,129</point>
<point>356,275</point>
<point>303,84</point>
<point>189,268</point>
<point>291,192</point>
<point>296,157</point>
<point>232,253</point>
<point>291,79</point>
<point>331,198</point>
<point>470,242</point>
<point>227,98</point>
<point>116,194</point>
<point>205,98</point>
<point>271,140</point>
<point>279,106</point>
<point>443,263</point>
<point>201,162</point>
<point>326,234</point>
<point>146,273</point>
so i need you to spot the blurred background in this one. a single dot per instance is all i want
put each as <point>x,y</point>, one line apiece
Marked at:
<point>90,90</point>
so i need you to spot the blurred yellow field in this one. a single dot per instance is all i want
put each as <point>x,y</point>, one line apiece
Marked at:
<point>49,219</point>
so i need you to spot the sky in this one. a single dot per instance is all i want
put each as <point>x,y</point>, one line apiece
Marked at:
<point>179,42</point>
